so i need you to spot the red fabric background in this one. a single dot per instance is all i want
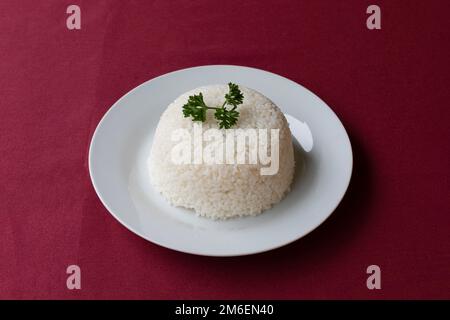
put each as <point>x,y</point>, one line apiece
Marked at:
<point>389,87</point>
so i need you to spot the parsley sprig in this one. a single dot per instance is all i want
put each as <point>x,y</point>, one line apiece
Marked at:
<point>196,107</point>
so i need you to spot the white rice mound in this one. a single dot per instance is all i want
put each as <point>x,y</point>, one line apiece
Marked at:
<point>221,191</point>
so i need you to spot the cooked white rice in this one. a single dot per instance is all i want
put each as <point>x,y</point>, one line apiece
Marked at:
<point>221,190</point>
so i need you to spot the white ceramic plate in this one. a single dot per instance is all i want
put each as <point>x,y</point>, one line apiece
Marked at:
<point>123,139</point>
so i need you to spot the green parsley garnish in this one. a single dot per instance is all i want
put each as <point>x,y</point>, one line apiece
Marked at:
<point>196,107</point>
<point>234,96</point>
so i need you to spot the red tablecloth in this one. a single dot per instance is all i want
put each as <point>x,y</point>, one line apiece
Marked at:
<point>390,88</point>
